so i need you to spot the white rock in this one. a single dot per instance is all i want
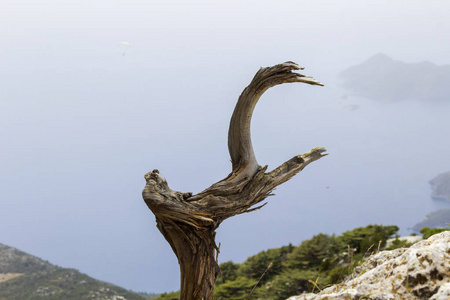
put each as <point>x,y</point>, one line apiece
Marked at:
<point>419,272</point>
<point>443,293</point>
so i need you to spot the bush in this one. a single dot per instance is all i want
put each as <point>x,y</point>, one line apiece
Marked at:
<point>291,282</point>
<point>316,253</point>
<point>363,238</point>
<point>228,272</point>
<point>427,232</point>
<point>237,289</point>
<point>168,296</point>
<point>338,274</point>
<point>255,265</point>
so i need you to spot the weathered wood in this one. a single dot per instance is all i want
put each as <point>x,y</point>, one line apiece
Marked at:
<point>188,222</point>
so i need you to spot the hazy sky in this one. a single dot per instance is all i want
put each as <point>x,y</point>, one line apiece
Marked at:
<point>81,123</point>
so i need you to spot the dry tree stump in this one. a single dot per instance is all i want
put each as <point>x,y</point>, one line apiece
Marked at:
<point>189,222</point>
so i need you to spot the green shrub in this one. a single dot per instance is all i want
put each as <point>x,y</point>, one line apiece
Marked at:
<point>363,238</point>
<point>292,282</point>
<point>427,232</point>
<point>255,265</point>
<point>236,289</point>
<point>398,244</point>
<point>228,272</point>
<point>168,296</point>
<point>318,253</point>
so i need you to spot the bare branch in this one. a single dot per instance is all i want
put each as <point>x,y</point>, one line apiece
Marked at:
<point>243,159</point>
<point>239,137</point>
<point>291,167</point>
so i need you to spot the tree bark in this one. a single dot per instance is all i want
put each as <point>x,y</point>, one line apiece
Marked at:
<point>188,222</point>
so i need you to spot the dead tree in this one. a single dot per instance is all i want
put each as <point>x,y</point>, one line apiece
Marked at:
<point>189,222</point>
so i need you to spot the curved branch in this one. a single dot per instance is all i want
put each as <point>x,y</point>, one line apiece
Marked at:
<point>244,163</point>
<point>239,137</point>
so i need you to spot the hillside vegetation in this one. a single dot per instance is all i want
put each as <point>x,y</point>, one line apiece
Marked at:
<point>316,263</point>
<point>26,277</point>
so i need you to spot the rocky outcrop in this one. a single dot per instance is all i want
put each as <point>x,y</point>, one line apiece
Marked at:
<point>441,187</point>
<point>419,272</point>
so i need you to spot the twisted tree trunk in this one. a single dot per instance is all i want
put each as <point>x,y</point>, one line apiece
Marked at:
<point>188,222</point>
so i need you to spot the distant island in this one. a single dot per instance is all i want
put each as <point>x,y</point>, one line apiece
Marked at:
<point>384,79</point>
<point>437,219</point>
<point>26,277</point>
<point>441,187</point>
<point>440,191</point>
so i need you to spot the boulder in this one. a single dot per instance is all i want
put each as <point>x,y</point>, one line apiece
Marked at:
<point>419,272</point>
